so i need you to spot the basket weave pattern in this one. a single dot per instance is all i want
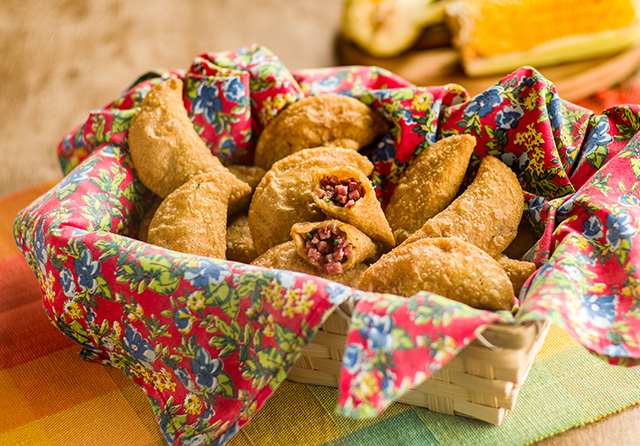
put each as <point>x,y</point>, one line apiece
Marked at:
<point>482,382</point>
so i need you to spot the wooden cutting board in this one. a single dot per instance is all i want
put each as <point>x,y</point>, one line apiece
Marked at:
<point>439,66</point>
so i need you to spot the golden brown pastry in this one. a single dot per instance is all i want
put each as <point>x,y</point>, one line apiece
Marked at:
<point>193,218</point>
<point>517,270</point>
<point>239,242</point>
<point>165,148</point>
<point>447,266</point>
<point>250,175</point>
<point>315,121</point>
<point>486,214</point>
<point>429,184</point>
<point>284,195</point>
<point>332,246</point>
<point>346,194</point>
<point>285,256</point>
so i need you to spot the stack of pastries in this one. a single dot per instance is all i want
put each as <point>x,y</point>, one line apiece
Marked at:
<point>308,204</point>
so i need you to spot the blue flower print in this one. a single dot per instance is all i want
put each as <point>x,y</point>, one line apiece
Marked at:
<point>207,273</point>
<point>592,228</point>
<point>555,113</point>
<point>616,351</point>
<point>337,293</point>
<point>536,205</point>
<point>597,136</point>
<point>207,102</point>
<point>327,84</point>
<point>385,151</point>
<point>484,103</point>
<point>509,159</point>
<point>183,320</point>
<point>138,347</point>
<point>40,246</point>
<point>509,117</point>
<point>528,81</point>
<point>235,90</point>
<point>206,370</point>
<point>387,384</point>
<point>87,271</point>
<point>67,282</point>
<point>408,117</point>
<point>565,209</point>
<point>378,331</point>
<point>618,227</point>
<point>226,147</point>
<point>78,175</point>
<point>628,200</point>
<point>353,357</point>
<point>184,377</point>
<point>599,310</point>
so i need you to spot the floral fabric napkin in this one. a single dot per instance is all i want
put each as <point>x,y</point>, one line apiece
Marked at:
<point>210,340</point>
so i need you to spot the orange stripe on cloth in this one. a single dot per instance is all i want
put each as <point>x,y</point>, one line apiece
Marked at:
<point>9,208</point>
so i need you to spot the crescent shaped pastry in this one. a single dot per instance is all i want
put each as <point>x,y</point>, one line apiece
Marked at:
<point>285,256</point>
<point>429,184</point>
<point>165,148</point>
<point>193,218</point>
<point>447,266</point>
<point>332,246</point>
<point>517,270</point>
<point>486,214</point>
<point>346,194</point>
<point>284,195</point>
<point>314,121</point>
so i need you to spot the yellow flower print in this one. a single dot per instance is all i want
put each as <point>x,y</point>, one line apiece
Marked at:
<point>530,139</point>
<point>598,288</point>
<point>195,301</point>
<point>309,288</point>
<point>134,312</point>
<point>117,328</point>
<point>140,371</point>
<point>292,298</point>
<point>47,285</point>
<point>273,105</point>
<point>273,295</point>
<point>304,305</point>
<point>366,386</point>
<point>162,380</point>
<point>73,309</point>
<point>192,404</point>
<point>530,100</point>
<point>267,324</point>
<point>422,102</point>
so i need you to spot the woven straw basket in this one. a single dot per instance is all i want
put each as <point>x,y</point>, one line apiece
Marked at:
<point>482,382</point>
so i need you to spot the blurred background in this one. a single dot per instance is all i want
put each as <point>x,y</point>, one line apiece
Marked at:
<point>63,58</point>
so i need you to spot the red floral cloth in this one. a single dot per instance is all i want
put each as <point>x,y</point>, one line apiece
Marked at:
<point>210,340</point>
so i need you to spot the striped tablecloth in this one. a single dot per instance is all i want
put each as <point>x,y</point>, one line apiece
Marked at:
<point>50,396</point>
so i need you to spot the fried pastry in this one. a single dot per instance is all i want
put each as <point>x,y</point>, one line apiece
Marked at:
<point>332,246</point>
<point>486,214</point>
<point>239,242</point>
<point>429,184</point>
<point>250,175</point>
<point>285,256</point>
<point>315,121</point>
<point>517,270</point>
<point>284,195</point>
<point>346,194</point>
<point>447,266</point>
<point>165,148</point>
<point>193,218</point>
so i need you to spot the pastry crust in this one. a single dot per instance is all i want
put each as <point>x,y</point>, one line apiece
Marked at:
<point>486,214</point>
<point>517,270</point>
<point>366,214</point>
<point>250,175</point>
<point>284,195</point>
<point>165,148</point>
<point>315,121</point>
<point>447,266</point>
<point>284,256</point>
<point>193,218</point>
<point>429,184</point>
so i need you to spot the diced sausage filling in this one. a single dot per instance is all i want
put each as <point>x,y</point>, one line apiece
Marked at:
<point>327,248</point>
<point>340,192</point>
